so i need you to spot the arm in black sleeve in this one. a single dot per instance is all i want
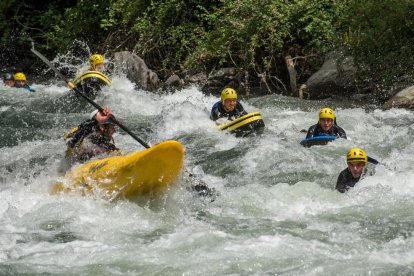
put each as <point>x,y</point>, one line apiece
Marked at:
<point>340,132</point>
<point>341,185</point>
<point>240,109</point>
<point>311,132</point>
<point>215,112</point>
<point>83,130</point>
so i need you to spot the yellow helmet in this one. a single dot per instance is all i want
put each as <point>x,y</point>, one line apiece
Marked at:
<point>228,93</point>
<point>327,113</point>
<point>19,77</point>
<point>356,155</point>
<point>95,60</point>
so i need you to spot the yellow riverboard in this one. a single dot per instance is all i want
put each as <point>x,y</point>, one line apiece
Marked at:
<point>245,125</point>
<point>138,173</point>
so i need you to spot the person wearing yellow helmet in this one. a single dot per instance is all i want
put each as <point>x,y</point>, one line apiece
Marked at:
<point>228,107</point>
<point>326,125</point>
<point>357,160</point>
<point>8,80</point>
<point>20,82</point>
<point>92,81</point>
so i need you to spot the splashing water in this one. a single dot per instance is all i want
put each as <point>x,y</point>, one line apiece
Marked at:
<point>277,212</point>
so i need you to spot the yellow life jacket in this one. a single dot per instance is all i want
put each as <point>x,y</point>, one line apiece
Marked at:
<point>69,134</point>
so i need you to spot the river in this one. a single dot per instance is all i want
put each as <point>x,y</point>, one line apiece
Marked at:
<point>277,212</point>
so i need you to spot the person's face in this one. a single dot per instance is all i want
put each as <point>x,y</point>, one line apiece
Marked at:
<point>356,168</point>
<point>326,124</point>
<point>9,83</point>
<point>100,67</point>
<point>19,83</point>
<point>229,104</point>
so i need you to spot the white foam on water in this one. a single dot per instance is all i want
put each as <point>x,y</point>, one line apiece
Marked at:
<point>277,212</point>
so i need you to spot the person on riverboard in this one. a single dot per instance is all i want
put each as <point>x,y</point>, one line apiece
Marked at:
<point>92,81</point>
<point>326,125</point>
<point>228,108</point>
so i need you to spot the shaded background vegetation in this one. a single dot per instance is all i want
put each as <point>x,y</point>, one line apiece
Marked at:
<point>253,36</point>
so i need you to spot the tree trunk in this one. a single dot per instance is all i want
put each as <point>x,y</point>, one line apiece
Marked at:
<point>292,76</point>
<point>246,80</point>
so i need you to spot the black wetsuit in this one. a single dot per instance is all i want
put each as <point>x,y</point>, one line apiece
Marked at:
<point>218,112</point>
<point>316,130</point>
<point>346,181</point>
<point>86,142</point>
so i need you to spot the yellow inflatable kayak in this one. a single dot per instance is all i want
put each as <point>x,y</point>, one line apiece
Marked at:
<point>138,173</point>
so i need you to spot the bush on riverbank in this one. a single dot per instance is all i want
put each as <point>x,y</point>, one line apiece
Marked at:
<point>252,36</point>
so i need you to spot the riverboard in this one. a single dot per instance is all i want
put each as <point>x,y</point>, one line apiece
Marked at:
<point>138,173</point>
<point>317,140</point>
<point>245,125</point>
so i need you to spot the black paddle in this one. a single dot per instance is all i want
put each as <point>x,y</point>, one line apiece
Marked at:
<point>72,86</point>
<point>201,188</point>
<point>373,161</point>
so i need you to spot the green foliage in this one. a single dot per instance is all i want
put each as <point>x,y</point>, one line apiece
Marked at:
<point>124,13</point>
<point>242,31</point>
<point>168,31</point>
<point>82,22</point>
<point>380,37</point>
<point>314,23</point>
<point>253,36</point>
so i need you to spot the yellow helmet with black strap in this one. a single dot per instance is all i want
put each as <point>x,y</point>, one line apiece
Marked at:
<point>356,155</point>
<point>19,77</point>
<point>228,93</point>
<point>327,113</point>
<point>95,60</point>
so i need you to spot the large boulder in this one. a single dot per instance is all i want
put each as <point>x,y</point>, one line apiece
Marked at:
<point>174,82</point>
<point>403,99</point>
<point>335,78</point>
<point>214,82</point>
<point>136,70</point>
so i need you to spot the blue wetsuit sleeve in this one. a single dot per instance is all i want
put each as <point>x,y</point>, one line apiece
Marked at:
<point>28,88</point>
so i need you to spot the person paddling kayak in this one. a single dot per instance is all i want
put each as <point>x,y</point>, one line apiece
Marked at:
<point>91,138</point>
<point>93,80</point>
<point>357,161</point>
<point>326,125</point>
<point>228,108</point>
<point>94,137</point>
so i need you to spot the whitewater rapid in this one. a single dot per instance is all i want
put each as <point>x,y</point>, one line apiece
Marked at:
<point>277,211</point>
